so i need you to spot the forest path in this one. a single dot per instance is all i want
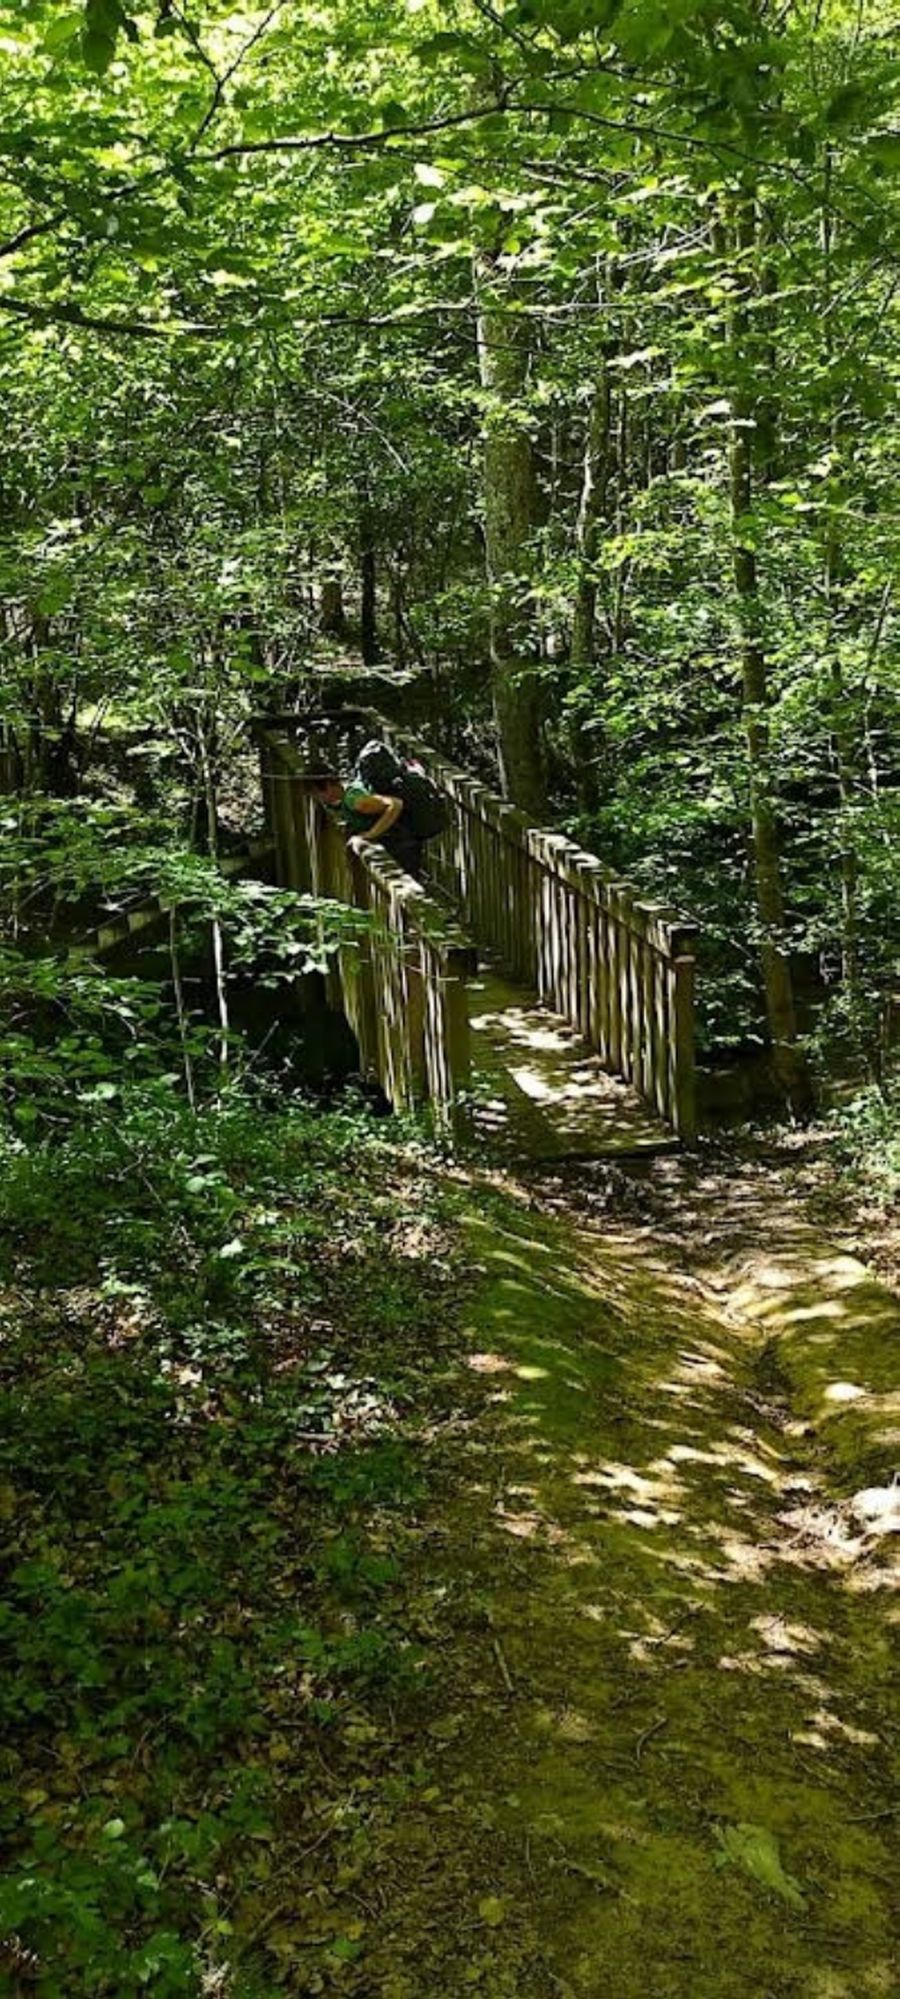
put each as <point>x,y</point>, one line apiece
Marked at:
<point>672,1725</point>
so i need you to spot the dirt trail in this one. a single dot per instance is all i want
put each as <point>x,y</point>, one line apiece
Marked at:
<point>662,1759</point>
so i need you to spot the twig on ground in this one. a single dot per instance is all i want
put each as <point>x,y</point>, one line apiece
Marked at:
<point>643,1739</point>
<point>591,1874</point>
<point>505,1673</point>
<point>684,1616</point>
<point>273,1916</point>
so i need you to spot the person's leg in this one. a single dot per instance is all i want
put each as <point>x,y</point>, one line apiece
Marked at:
<point>405,849</point>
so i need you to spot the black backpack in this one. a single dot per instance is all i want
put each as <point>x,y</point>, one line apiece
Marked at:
<point>425,807</point>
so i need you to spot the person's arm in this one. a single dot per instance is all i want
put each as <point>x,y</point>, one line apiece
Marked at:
<point>386,810</point>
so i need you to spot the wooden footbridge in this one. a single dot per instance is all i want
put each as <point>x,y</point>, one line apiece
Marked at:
<point>532,999</point>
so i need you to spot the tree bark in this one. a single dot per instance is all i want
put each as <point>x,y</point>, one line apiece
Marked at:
<point>592,507</point>
<point>218,941</point>
<point>180,1010</point>
<point>509,519</point>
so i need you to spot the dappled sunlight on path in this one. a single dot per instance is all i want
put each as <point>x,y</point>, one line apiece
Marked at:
<point>697,1712</point>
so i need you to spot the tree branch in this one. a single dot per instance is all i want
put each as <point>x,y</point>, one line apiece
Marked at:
<point>33,229</point>
<point>355,142</point>
<point>74,315</point>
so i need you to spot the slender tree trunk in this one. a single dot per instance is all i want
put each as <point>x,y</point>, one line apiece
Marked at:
<point>844,747</point>
<point>396,601</point>
<point>620,583</point>
<point>218,941</point>
<point>591,515</point>
<point>846,770</point>
<point>592,505</point>
<point>178,989</point>
<point>509,517</point>
<point>368,584</point>
<point>789,1064</point>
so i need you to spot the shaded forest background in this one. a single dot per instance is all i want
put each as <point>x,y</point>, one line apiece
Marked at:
<point>548,351</point>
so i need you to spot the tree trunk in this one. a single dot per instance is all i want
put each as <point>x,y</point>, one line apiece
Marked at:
<point>620,583</point>
<point>591,514</point>
<point>843,735</point>
<point>332,617</point>
<point>789,1063</point>
<point>218,941</point>
<point>368,584</point>
<point>592,505</point>
<point>180,1009</point>
<point>509,517</point>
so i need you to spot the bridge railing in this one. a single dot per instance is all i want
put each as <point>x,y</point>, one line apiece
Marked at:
<point>401,975</point>
<point>619,967</point>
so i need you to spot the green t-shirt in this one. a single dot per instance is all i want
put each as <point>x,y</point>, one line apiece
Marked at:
<point>348,813</point>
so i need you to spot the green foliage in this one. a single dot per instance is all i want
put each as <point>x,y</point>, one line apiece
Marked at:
<point>867,1134</point>
<point>196,1586</point>
<point>246,345</point>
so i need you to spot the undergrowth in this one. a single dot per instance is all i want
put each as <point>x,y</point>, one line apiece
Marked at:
<point>868,1144</point>
<point>218,1349</point>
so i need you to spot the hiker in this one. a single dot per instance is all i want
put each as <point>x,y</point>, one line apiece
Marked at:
<point>372,815</point>
<point>390,799</point>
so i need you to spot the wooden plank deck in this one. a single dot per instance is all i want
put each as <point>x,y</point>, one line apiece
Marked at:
<point>540,1092</point>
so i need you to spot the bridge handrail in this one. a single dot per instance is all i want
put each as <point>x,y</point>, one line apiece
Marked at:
<point>401,982</point>
<point>663,925</point>
<point>618,966</point>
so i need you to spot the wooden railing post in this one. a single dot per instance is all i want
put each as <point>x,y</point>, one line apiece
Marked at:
<point>285,802</point>
<point>446,969</point>
<point>267,788</point>
<point>418,970</point>
<point>682,1069</point>
<point>357,974</point>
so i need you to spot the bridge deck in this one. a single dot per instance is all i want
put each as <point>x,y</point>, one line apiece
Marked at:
<point>540,1092</point>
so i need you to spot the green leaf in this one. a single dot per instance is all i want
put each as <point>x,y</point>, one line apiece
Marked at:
<point>97,51</point>
<point>60,34</point>
<point>883,149</point>
<point>55,594</point>
<point>844,105</point>
<point>755,1849</point>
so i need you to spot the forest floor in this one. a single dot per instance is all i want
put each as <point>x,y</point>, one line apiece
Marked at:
<point>668,1738</point>
<point>590,1693</point>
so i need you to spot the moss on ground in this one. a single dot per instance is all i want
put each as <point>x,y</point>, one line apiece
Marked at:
<point>674,1654</point>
